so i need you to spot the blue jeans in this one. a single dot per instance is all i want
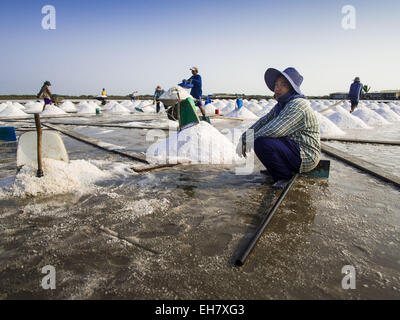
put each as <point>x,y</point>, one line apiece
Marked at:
<point>281,156</point>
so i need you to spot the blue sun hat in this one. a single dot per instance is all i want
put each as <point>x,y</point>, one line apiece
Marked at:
<point>291,74</point>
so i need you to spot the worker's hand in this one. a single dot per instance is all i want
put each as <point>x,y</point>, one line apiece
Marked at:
<point>241,148</point>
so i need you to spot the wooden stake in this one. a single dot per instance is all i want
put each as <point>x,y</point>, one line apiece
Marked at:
<point>179,110</point>
<point>39,145</point>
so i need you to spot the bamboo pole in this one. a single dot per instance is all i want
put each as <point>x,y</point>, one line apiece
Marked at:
<point>39,145</point>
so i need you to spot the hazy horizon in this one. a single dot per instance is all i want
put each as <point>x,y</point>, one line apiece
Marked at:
<point>127,46</point>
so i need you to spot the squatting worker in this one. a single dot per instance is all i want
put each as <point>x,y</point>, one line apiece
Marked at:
<point>157,94</point>
<point>46,94</point>
<point>196,92</point>
<point>354,93</point>
<point>287,139</point>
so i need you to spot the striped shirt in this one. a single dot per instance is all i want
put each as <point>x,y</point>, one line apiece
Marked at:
<point>298,122</point>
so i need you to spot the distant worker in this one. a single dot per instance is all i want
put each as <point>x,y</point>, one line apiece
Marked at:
<point>157,94</point>
<point>102,97</point>
<point>355,93</point>
<point>196,92</point>
<point>46,94</point>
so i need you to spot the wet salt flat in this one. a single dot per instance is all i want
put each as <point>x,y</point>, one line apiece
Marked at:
<point>197,217</point>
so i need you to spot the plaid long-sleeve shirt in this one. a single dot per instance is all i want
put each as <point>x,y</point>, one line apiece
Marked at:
<point>297,121</point>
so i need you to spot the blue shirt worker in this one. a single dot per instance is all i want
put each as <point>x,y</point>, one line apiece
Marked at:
<point>157,94</point>
<point>287,139</point>
<point>354,93</point>
<point>196,92</point>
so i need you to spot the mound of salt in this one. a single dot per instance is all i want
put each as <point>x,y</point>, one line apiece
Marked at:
<point>344,120</point>
<point>35,107</point>
<point>51,110</point>
<point>68,106</point>
<point>18,105</point>
<point>86,108</point>
<point>11,111</point>
<point>388,114</point>
<point>117,108</point>
<point>242,113</point>
<point>201,143</point>
<point>327,127</point>
<point>2,106</point>
<point>209,108</point>
<point>60,177</point>
<point>369,116</point>
<point>254,108</point>
<point>229,107</point>
<point>171,93</point>
<point>127,104</point>
<point>264,111</point>
<point>395,108</point>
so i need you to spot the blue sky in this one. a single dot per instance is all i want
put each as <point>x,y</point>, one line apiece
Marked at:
<point>128,46</point>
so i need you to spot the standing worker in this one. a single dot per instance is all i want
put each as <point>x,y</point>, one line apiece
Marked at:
<point>102,97</point>
<point>196,92</point>
<point>46,94</point>
<point>157,94</point>
<point>355,93</point>
<point>287,139</point>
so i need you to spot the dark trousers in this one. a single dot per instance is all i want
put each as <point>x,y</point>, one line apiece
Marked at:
<point>158,107</point>
<point>354,105</point>
<point>281,156</point>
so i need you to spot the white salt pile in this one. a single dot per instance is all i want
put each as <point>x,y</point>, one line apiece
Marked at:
<point>242,113</point>
<point>59,177</point>
<point>388,114</point>
<point>327,127</point>
<point>52,109</point>
<point>201,143</point>
<point>254,108</point>
<point>117,108</point>
<point>86,108</point>
<point>344,120</point>
<point>264,111</point>
<point>172,94</point>
<point>209,108</point>
<point>11,111</point>
<point>395,108</point>
<point>18,105</point>
<point>127,104</point>
<point>2,106</point>
<point>369,116</point>
<point>34,107</point>
<point>229,107</point>
<point>68,106</point>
